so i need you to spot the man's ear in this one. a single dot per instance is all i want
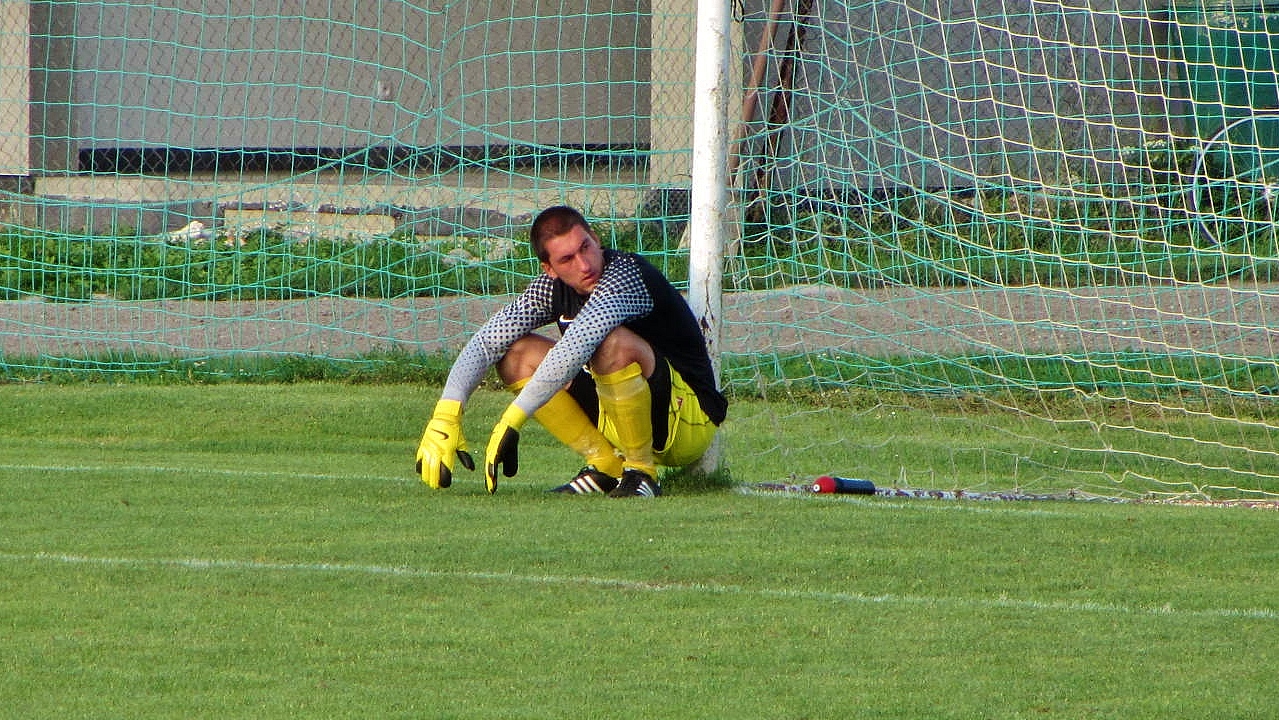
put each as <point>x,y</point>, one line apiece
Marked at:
<point>546,268</point>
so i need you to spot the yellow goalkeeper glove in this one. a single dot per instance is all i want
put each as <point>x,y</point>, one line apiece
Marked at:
<point>441,442</point>
<point>504,447</point>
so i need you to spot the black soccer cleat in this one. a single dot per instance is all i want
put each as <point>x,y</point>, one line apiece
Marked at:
<point>636,483</point>
<point>588,480</point>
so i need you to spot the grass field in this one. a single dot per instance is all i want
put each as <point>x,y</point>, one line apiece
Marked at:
<point>264,551</point>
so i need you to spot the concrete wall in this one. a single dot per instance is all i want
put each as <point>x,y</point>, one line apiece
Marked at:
<point>15,88</point>
<point>907,93</point>
<point>948,93</point>
<point>209,74</point>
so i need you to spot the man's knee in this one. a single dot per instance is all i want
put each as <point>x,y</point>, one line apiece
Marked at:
<point>523,357</point>
<point>620,348</point>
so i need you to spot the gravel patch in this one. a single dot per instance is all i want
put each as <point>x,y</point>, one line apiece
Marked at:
<point>1213,320</point>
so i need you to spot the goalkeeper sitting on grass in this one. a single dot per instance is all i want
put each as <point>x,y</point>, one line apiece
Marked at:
<point>628,386</point>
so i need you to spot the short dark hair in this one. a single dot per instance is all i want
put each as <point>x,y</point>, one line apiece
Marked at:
<point>553,222</point>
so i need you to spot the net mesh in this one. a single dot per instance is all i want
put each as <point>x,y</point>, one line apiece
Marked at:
<point>1038,236</point>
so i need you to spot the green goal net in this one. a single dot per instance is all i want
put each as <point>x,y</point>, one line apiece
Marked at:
<point>1000,225</point>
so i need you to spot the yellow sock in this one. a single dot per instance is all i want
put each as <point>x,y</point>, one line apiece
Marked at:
<point>565,420</point>
<point>627,402</point>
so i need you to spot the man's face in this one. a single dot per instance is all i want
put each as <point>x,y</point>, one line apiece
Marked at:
<point>575,258</point>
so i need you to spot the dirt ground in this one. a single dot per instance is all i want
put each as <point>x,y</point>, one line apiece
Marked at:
<point>1217,320</point>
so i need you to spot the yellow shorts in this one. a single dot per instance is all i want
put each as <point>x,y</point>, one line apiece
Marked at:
<point>689,432</point>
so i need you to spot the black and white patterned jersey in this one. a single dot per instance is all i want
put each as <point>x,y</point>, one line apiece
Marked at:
<point>630,292</point>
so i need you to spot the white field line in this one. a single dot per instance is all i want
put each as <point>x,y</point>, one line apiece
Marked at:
<point>229,472</point>
<point>1000,602</point>
<point>877,503</point>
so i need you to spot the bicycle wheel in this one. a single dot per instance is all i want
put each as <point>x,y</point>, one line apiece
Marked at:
<point>1235,186</point>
